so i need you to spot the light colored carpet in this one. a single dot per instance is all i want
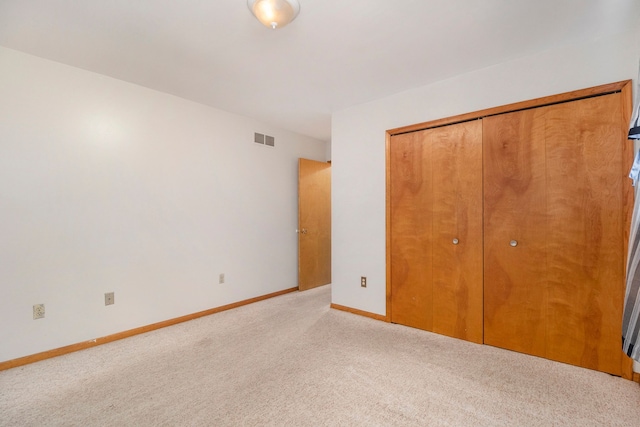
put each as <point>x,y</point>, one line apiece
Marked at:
<point>293,361</point>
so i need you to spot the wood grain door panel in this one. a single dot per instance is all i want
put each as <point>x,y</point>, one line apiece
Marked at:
<point>457,214</point>
<point>585,230</point>
<point>436,196</point>
<point>552,180</point>
<point>411,230</point>
<point>314,224</point>
<point>515,282</point>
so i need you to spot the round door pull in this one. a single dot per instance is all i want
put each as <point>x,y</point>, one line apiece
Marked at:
<point>513,243</point>
<point>456,241</point>
<point>303,231</point>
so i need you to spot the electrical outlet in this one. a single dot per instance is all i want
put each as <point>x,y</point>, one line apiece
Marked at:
<point>363,281</point>
<point>109,298</point>
<point>221,278</point>
<point>38,311</point>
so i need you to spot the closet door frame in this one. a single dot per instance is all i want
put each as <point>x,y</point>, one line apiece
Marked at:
<point>623,87</point>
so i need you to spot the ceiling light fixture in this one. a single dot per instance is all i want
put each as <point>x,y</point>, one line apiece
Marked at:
<point>274,13</point>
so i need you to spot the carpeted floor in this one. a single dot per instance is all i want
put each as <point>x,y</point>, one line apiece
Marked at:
<point>292,361</point>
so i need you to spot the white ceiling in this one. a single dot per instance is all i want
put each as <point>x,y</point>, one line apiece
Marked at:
<point>336,54</point>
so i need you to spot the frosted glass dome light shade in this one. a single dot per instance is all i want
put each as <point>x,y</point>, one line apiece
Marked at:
<point>274,13</point>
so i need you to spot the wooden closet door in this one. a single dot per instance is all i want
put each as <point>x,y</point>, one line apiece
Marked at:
<point>411,230</point>
<point>436,197</point>
<point>515,273</point>
<point>554,183</point>
<point>584,146</point>
<point>457,230</point>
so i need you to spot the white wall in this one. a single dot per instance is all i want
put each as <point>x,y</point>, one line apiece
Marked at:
<point>358,144</point>
<point>108,186</point>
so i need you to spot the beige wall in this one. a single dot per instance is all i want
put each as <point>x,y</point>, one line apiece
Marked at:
<point>108,186</point>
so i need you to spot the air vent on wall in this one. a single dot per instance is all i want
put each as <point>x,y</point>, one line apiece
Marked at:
<point>259,138</point>
<point>270,141</point>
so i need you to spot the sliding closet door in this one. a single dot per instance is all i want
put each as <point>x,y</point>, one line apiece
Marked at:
<point>411,190</point>
<point>457,230</point>
<point>515,274</point>
<point>584,146</point>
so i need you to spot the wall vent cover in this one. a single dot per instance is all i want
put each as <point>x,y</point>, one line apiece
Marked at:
<point>260,138</point>
<point>270,141</point>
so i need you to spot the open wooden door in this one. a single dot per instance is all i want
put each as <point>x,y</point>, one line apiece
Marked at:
<point>314,224</point>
